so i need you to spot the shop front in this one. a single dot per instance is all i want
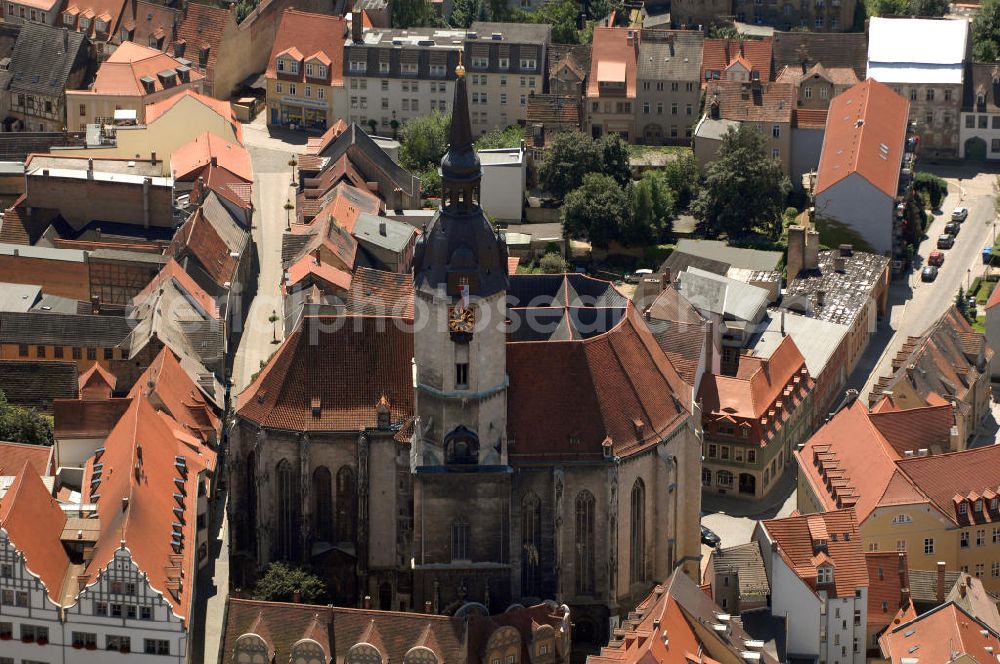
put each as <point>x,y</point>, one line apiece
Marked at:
<point>297,113</point>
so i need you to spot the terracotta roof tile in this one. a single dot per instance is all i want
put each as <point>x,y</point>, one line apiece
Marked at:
<point>942,476</point>
<point>97,383</point>
<point>556,113</point>
<point>170,389</point>
<point>112,10</point>
<point>917,428</point>
<point>122,72</point>
<point>334,280</point>
<point>798,546</point>
<point>310,33</point>
<point>181,279</point>
<point>78,418</point>
<point>860,122</point>
<point>833,49</point>
<point>943,634</point>
<point>204,25</point>
<point>614,58</point>
<point>187,162</point>
<point>379,293</point>
<point>761,101</point>
<point>220,106</point>
<point>606,380</point>
<point>809,118</point>
<point>14,455</point>
<point>199,238</point>
<point>718,54</point>
<point>346,364</point>
<point>134,495</point>
<point>34,521</point>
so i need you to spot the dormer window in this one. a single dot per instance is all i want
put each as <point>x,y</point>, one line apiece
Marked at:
<point>309,69</point>
<point>994,503</point>
<point>102,26</point>
<point>824,575</point>
<point>68,18</point>
<point>977,507</point>
<point>963,509</point>
<point>84,23</point>
<point>361,66</point>
<point>293,66</point>
<point>281,65</point>
<point>321,71</point>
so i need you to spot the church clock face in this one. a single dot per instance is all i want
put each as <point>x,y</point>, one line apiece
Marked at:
<point>461,322</point>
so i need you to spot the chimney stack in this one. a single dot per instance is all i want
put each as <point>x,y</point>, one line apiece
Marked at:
<point>782,323</point>
<point>297,597</point>
<point>147,183</point>
<point>812,250</point>
<point>357,26</point>
<point>940,582</point>
<point>796,250</point>
<point>381,227</point>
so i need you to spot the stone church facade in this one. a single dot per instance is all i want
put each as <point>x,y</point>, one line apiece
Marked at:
<point>519,438</point>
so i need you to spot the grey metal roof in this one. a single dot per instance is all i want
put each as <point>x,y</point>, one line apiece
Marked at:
<point>105,253</point>
<point>714,129</point>
<point>59,305</point>
<point>744,559</point>
<point>528,33</point>
<point>816,339</point>
<point>397,233</point>
<point>43,58</point>
<point>751,259</point>
<point>18,297</point>
<point>679,261</point>
<point>722,295</point>
<point>234,235</point>
<point>670,55</point>
<point>48,253</point>
<point>55,329</point>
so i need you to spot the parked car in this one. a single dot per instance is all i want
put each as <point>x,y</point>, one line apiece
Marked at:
<point>929,273</point>
<point>936,258</point>
<point>638,275</point>
<point>952,227</point>
<point>946,241</point>
<point>710,538</point>
<point>960,214</point>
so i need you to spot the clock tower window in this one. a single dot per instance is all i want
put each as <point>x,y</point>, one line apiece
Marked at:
<point>462,376</point>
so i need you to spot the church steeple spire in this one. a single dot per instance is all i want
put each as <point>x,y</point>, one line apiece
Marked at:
<point>460,168</point>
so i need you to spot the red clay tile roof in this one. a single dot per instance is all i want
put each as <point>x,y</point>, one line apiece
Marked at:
<point>334,280</point>
<point>799,537</point>
<point>379,293</point>
<point>317,144</point>
<point>619,385</point>
<point>15,455</point>
<point>718,54</point>
<point>888,576</point>
<point>170,389</point>
<point>967,474</point>
<point>680,330</point>
<point>681,611</point>
<point>941,635</point>
<point>347,363</point>
<point>201,239</point>
<point>752,102</point>
<point>112,10</point>
<point>555,112</point>
<point>337,629</point>
<point>310,33</point>
<point>97,382</point>
<point>120,74</point>
<point>917,428</point>
<point>188,161</point>
<point>847,462</point>
<point>204,25</point>
<point>759,383</point>
<point>611,51</point>
<point>345,207</point>
<point>182,280</point>
<point>34,521</point>
<point>227,185</point>
<point>860,121</point>
<point>809,118</point>
<point>512,263</point>
<point>134,494</point>
<point>325,233</point>
<point>994,299</point>
<point>76,418</point>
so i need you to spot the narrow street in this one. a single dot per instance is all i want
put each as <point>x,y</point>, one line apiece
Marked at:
<point>915,305</point>
<point>272,188</point>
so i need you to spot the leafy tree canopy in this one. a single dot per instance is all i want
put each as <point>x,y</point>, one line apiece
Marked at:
<point>597,211</point>
<point>552,263</point>
<point>281,581</point>
<point>23,425</point>
<point>501,138</point>
<point>424,141</point>
<point>562,15</point>
<point>986,32</point>
<point>413,14</point>
<point>571,157</point>
<point>744,189</point>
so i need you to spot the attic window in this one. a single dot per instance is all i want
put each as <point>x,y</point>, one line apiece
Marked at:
<point>316,405</point>
<point>994,503</point>
<point>963,508</point>
<point>824,575</point>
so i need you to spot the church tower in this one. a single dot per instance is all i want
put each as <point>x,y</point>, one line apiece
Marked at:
<point>459,453</point>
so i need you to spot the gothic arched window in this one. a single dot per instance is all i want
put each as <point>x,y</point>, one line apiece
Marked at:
<point>347,505</point>
<point>637,559</point>
<point>287,502</point>
<point>531,544</point>
<point>461,446</point>
<point>322,494</point>
<point>585,548</point>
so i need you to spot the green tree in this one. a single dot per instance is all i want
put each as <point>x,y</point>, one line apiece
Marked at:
<point>745,188</point>
<point>929,8</point>
<point>552,263</point>
<point>424,141</point>
<point>663,203</point>
<point>499,11</point>
<point>681,176</point>
<point>463,13</point>
<point>642,228</point>
<point>501,138</point>
<point>430,182</point>
<point>572,155</point>
<point>860,17</point>
<point>986,32</point>
<point>562,15</point>
<point>413,14</point>
<point>935,187</point>
<point>962,303</point>
<point>891,7</point>
<point>23,425</point>
<point>614,157</point>
<point>598,210</point>
<point>727,31</point>
<point>281,581</point>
